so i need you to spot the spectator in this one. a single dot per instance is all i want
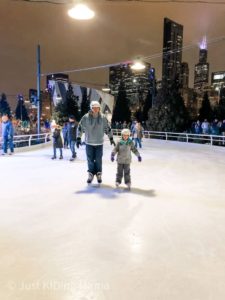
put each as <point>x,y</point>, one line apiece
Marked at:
<point>205,127</point>
<point>72,135</point>
<point>198,127</point>
<point>65,135</point>
<point>137,134</point>
<point>57,140</point>
<point>7,134</point>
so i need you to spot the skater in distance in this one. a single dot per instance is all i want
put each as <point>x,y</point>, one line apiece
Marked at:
<point>123,150</point>
<point>95,125</point>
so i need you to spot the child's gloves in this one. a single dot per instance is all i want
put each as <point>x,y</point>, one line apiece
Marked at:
<point>139,158</point>
<point>78,142</point>
<point>112,142</point>
<point>112,157</point>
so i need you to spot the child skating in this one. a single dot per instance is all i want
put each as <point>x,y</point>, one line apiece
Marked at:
<point>123,150</point>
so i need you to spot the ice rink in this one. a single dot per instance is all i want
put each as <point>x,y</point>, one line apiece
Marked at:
<point>163,240</point>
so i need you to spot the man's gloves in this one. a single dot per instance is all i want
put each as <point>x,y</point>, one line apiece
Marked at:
<point>139,158</point>
<point>78,143</point>
<point>112,142</point>
<point>112,157</point>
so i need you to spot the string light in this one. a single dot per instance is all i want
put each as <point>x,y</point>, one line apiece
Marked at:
<point>145,58</point>
<point>61,2</point>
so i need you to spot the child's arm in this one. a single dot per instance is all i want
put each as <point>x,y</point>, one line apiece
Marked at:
<point>135,151</point>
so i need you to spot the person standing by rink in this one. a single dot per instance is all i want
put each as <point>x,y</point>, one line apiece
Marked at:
<point>7,134</point>
<point>95,125</point>
<point>137,134</point>
<point>57,140</point>
<point>123,150</point>
<point>72,135</point>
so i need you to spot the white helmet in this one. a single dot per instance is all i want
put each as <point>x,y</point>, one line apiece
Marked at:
<point>95,104</point>
<point>125,131</point>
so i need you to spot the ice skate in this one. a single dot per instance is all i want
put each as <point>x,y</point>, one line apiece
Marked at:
<point>128,186</point>
<point>99,177</point>
<point>61,157</point>
<point>117,184</point>
<point>73,157</point>
<point>53,157</point>
<point>90,177</point>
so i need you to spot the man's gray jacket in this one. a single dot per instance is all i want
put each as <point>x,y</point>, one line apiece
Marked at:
<point>94,128</point>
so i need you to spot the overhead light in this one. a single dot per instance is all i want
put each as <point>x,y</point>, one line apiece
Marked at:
<point>138,66</point>
<point>81,12</point>
<point>106,88</point>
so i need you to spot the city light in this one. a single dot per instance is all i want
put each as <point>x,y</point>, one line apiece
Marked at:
<point>203,44</point>
<point>106,88</point>
<point>138,66</point>
<point>81,12</point>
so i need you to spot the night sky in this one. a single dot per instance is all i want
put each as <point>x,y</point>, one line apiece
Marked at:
<point>121,31</point>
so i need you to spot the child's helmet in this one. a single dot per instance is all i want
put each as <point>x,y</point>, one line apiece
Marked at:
<point>125,131</point>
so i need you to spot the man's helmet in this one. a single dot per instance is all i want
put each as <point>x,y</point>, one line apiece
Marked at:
<point>95,104</point>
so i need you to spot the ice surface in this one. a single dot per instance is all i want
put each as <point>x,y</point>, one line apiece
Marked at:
<point>164,240</point>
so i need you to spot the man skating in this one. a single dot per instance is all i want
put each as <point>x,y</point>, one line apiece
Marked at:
<point>95,125</point>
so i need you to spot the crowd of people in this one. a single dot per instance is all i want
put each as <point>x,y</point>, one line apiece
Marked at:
<point>215,127</point>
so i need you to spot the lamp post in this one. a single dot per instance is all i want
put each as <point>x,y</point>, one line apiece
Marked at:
<point>38,88</point>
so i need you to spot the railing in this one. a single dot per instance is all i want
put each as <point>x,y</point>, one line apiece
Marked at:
<point>30,140</point>
<point>209,139</point>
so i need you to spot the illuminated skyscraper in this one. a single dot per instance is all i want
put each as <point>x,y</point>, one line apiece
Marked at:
<point>218,80</point>
<point>172,52</point>
<point>136,83</point>
<point>184,76</point>
<point>201,77</point>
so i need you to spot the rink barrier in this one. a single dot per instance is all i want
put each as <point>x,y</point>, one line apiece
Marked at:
<point>28,140</point>
<point>213,140</point>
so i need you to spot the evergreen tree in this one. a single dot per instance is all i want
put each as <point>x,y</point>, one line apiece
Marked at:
<point>85,103</point>
<point>60,113</point>
<point>21,111</point>
<point>206,111</point>
<point>121,110</point>
<point>147,105</point>
<point>139,115</point>
<point>169,113</point>
<point>65,108</point>
<point>4,106</point>
<point>72,104</point>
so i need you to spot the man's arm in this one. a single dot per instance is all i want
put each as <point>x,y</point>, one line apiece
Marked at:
<point>80,129</point>
<point>108,131</point>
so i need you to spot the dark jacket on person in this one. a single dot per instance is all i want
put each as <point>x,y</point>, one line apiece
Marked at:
<point>57,139</point>
<point>72,131</point>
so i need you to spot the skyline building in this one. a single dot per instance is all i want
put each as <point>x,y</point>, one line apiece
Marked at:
<point>201,75</point>
<point>184,76</point>
<point>136,83</point>
<point>218,80</point>
<point>57,85</point>
<point>172,52</point>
